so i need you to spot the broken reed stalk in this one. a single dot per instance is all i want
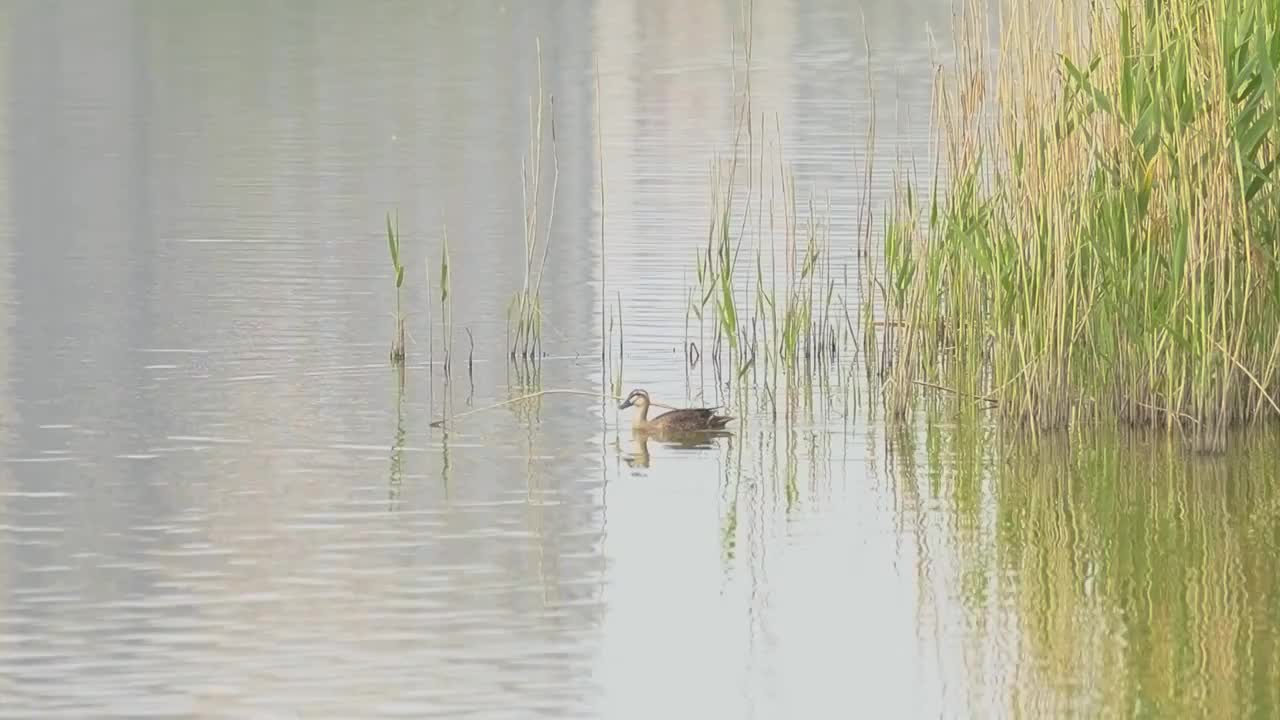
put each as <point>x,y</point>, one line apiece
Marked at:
<point>617,380</point>
<point>446,303</point>
<point>471,352</point>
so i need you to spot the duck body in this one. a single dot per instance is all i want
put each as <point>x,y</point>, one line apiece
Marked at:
<point>684,420</point>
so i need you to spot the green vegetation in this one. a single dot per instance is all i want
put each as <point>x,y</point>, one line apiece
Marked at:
<point>1098,238</point>
<point>393,243</point>
<point>1105,240</point>
<point>524,314</point>
<point>792,325</point>
<point>777,317</point>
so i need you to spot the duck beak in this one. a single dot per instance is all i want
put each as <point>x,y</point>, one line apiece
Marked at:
<point>625,404</point>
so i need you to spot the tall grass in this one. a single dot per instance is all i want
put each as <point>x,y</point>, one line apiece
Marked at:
<point>397,270</point>
<point>524,314</point>
<point>1097,236</point>
<point>792,324</point>
<point>767,308</point>
<point>1105,240</point>
<point>756,316</point>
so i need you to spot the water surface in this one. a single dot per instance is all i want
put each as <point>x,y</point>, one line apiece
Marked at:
<point>216,498</point>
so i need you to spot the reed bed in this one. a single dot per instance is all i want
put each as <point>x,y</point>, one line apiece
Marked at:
<point>1105,240</point>
<point>1098,237</point>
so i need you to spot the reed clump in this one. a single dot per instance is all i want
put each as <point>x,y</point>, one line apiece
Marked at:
<point>783,314</point>
<point>1105,241</point>
<point>524,313</point>
<point>397,269</point>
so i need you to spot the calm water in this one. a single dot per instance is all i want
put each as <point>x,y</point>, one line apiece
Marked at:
<point>215,501</point>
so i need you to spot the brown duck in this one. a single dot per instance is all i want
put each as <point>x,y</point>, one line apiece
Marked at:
<point>678,421</point>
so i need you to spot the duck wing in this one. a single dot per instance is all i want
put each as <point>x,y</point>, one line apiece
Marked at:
<point>692,418</point>
<point>685,414</point>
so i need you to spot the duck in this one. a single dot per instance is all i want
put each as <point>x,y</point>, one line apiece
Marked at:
<point>676,421</point>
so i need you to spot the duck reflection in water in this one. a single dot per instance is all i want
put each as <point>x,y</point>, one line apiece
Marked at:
<point>679,441</point>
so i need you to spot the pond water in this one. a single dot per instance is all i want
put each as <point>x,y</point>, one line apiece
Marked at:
<point>218,500</point>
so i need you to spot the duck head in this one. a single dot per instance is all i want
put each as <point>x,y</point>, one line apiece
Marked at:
<point>638,398</point>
